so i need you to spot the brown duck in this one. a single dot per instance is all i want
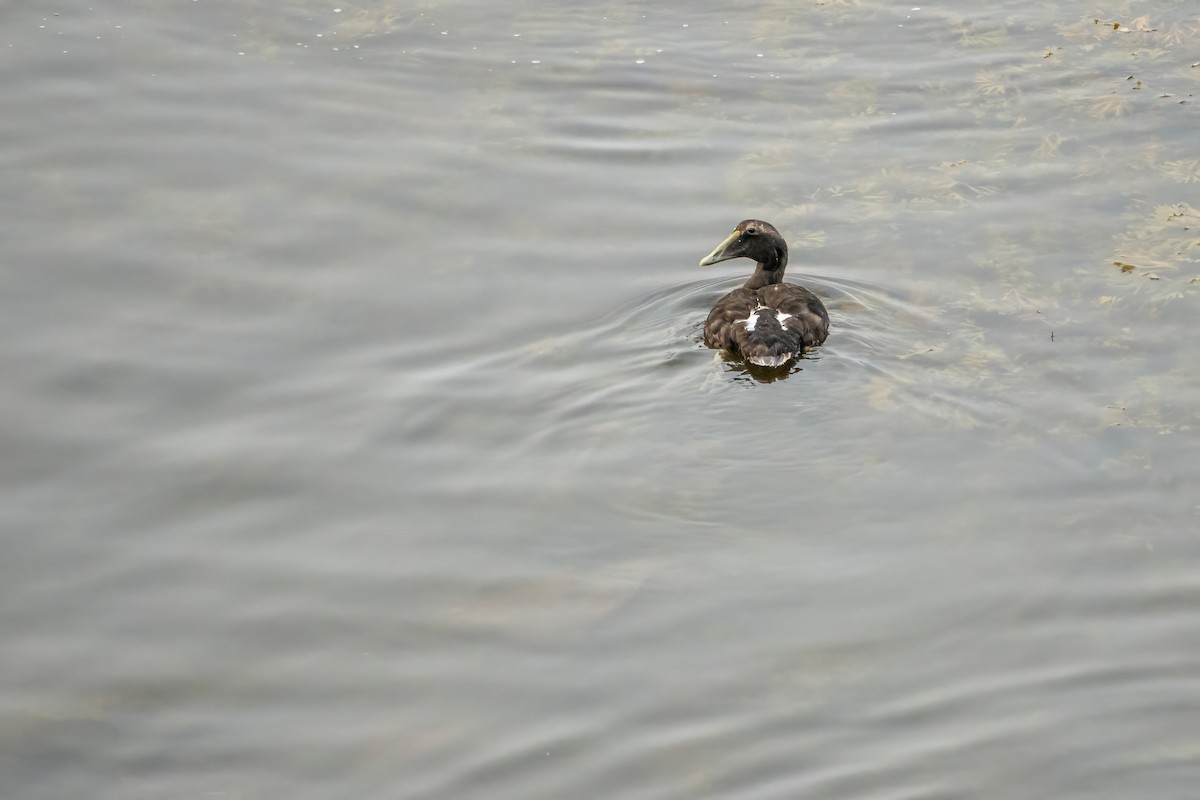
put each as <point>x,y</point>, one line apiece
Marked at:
<point>767,322</point>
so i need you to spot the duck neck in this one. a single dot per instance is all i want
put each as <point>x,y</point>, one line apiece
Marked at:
<point>770,270</point>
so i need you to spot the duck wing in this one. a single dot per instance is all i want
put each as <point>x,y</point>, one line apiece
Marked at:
<point>805,312</point>
<point>727,320</point>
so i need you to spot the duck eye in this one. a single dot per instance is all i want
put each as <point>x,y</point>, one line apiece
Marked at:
<point>752,231</point>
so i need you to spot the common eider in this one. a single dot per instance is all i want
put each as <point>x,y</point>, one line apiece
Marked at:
<point>767,322</point>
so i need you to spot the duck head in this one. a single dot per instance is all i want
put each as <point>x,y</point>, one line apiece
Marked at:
<point>754,239</point>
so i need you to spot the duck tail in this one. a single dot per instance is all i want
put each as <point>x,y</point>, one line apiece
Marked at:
<point>767,342</point>
<point>771,360</point>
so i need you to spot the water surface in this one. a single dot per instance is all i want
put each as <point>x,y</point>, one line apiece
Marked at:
<point>359,440</point>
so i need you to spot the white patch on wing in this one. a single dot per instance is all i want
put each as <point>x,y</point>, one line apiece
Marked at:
<point>750,321</point>
<point>782,317</point>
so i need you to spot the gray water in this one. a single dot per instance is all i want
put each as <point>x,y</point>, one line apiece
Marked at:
<point>358,440</point>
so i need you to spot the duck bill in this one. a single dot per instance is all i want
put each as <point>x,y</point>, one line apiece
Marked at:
<point>719,254</point>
